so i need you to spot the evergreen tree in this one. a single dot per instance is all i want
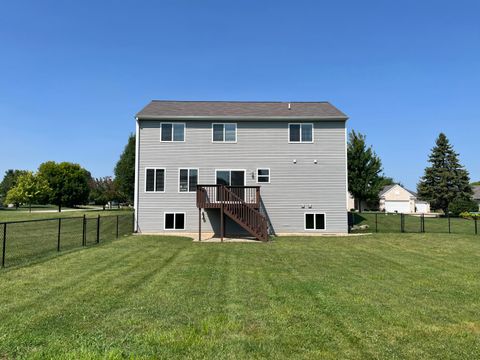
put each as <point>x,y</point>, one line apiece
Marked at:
<point>364,171</point>
<point>445,180</point>
<point>125,171</point>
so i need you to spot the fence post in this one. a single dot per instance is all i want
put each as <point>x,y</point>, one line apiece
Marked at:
<point>84,231</point>
<point>402,224</point>
<point>133,223</point>
<point>98,228</point>
<point>449,225</point>
<point>376,222</point>
<point>4,248</point>
<point>59,232</point>
<point>116,234</point>
<point>476,227</point>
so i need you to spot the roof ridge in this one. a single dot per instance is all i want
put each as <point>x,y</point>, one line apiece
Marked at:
<point>246,101</point>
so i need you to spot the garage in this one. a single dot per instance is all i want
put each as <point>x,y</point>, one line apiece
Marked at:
<point>392,206</point>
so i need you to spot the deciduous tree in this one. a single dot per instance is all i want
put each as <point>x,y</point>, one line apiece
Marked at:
<point>29,189</point>
<point>364,171</point>
<point>125,171</point>
<point>68,181</point>
<point>9,181</point>
<point>102,190</point>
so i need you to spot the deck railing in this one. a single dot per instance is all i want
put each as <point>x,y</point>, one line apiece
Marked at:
<point>211,196</point>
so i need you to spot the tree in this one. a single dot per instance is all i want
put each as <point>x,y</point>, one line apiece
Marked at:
<point>29,189</point>
<point>9,181</point>
<point>125,171</point>
<point>364,168</point>
<point>459,206</point>
<point>445,180</point>
<point>68,181</point>
<point>102,190</point>
<point>476,183</point>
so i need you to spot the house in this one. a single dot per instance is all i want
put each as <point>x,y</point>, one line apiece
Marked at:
<point>217,167</point>
<point>476,195</point>
<point>395,198</point>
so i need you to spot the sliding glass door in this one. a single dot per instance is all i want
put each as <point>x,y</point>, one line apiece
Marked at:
<point>231,178</point>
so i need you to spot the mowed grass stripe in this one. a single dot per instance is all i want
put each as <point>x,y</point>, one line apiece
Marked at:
<point>381,296</point>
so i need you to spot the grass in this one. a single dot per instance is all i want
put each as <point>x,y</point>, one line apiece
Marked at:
<point>22,214</point>
<point>379,296</point>
<point>388,223</point>
<point>33,240</point>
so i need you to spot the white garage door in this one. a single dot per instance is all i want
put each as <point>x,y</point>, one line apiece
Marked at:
<point>397,206</point>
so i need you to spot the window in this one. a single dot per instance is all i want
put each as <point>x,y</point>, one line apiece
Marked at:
<point>154,180</point>
<point>300,133</point>
<point>172,132</point>
<point>187,180</point>
<point>224,132</point>
<point>174,221</point>
<point>263,175</point>
<point>314,221</point>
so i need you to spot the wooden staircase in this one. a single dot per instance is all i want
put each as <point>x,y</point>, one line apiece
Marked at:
<point>239,203</point>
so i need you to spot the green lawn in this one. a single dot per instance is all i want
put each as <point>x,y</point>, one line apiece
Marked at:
<point>378,296</point>
<point>388,223</point>
<point>23,214</point>
<point>31,241</point>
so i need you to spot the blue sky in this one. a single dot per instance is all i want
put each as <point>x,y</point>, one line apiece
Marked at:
<point>74,73</point>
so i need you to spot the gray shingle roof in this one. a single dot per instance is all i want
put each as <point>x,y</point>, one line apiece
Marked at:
<point>246,110</point>
<point>476,192</point>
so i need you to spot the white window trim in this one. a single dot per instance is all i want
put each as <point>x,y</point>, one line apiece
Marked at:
<point>155,180</point>
<point>263,176</point>
<point>314,221</point>
<point>174,218</point>
<point>184,131</point>
<point>301,141</point>
<point>198,179</point>
<point>225,142</point>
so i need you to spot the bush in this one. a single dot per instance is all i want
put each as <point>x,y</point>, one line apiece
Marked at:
<point>459,206</point>
<point>470,216</point>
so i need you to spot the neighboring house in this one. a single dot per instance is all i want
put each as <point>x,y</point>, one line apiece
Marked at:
<point>269,167</point>
<point>395,198</point>
<point>476,195</point>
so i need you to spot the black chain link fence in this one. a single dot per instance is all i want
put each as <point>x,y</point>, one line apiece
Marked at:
<point>24,241</point>
<point>410,223</point>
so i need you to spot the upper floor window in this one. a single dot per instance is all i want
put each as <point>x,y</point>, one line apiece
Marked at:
<point>224,132</point>
<point>172,132</point>
<point>300,133</point>
<point>263,175</point>
<point>154,180</point>
<point>188,179</point>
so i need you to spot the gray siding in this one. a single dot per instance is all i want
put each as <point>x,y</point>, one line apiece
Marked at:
<point>259,145</point>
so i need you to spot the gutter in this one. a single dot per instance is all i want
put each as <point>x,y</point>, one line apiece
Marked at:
<point>244,118</point>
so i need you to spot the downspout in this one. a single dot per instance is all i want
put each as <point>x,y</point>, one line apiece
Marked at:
<point>137,169</point>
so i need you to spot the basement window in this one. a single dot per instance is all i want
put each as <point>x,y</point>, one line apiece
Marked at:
<point>314,221</point>
<point>174,221</point>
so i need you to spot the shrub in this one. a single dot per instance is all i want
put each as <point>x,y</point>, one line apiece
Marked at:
<point>459,206</point>
<point>470,216</point>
